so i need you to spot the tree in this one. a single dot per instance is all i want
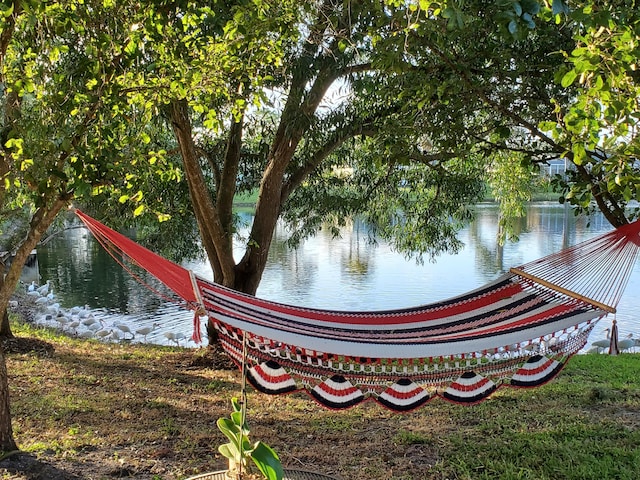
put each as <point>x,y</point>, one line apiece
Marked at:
<point>566,87</point>
<point>64,133</point>
<point>282,62</point>
<point>598,128</point>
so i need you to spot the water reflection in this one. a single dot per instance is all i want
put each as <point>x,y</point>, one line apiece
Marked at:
<point>346,273</point>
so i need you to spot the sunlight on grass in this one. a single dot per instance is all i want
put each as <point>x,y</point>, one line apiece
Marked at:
<point>141,402</point>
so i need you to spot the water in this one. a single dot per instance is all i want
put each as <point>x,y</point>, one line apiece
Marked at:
<point>347,273</point>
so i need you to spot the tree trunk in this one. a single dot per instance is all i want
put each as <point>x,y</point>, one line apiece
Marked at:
<point>212,232</point>
<point>5,327</point>
<point>7,443</point>
<point>40,222</point>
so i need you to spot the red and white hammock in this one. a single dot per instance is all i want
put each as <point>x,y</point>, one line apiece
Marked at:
<point>518,330</point>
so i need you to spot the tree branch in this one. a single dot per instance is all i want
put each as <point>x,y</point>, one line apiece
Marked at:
<point>227,186</point>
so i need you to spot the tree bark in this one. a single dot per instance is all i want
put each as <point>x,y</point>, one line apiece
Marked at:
<point>7,443</point>
<point>5,326</point>
<point>212,233</point>
<point>40,222</point>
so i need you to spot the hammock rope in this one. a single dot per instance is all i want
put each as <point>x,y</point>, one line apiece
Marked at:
<point>518,330</point>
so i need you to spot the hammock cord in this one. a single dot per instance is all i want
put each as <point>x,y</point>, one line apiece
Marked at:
<point>121,249</point>
<point>597,268</point>
<point>118,255</point>
<point>243,395</point>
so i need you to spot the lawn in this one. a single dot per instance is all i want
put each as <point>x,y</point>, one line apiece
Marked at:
<point>88,410</point>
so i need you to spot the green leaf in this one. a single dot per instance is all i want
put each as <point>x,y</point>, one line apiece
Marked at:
<point>138,211</point>
<point>531,6</point>
<point>599,83</point>
<point>237,418</point>
<point>559,7</point>
<point>228,428</point>
<point>131,47</point>
<point>448,12</point>
<point>517,8</point>
<point>568,78</point>
<point>229,450</point>
<point>267,461</point>
<point>579,154</point>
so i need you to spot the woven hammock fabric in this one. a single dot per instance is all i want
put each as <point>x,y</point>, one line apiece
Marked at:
<point>518,330</point>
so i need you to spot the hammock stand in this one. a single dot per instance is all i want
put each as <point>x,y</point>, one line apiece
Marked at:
<point>518,330</point>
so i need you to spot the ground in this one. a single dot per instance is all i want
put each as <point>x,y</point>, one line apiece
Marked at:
<point>93,463</point>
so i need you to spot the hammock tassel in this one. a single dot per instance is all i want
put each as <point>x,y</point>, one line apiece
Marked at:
<point>199,312</point>
<point>197,333</point>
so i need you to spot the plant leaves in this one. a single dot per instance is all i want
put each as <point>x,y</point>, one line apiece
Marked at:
<point>229,450</point>
<point>229,429</point>
<point>267,461</point>
<point>559,6</point>
<point>568,78</point>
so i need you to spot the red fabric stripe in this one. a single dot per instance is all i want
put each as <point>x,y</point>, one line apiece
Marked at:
<point>271,378</point>
<point>392,392</point>
<point>552,312</point>
<point>343,392</point>
<point>364,318</point>
<point>537,370</point>
<point>469,388</point>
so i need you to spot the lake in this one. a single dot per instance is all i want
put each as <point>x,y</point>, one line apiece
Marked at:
<point>346,273</point>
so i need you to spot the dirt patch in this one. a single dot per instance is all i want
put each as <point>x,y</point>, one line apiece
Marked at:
<point>208,357</point>
<point>18,466</point>
<point>35,346</point>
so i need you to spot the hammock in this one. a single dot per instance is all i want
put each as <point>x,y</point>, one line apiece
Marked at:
<point>518,330</point>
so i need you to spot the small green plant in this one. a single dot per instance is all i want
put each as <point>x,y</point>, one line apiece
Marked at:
<point>240,449</point>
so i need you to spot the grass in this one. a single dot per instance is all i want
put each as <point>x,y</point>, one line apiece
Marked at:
<point>149,412</point>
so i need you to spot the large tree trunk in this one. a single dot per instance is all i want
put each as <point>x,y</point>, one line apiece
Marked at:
<point>212,233</point>
<point>5,326</point>
<point>250,269</point>
<point>7,443</point>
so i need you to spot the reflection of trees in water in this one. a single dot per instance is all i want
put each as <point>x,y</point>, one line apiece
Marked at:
<point>296,268</point>
<point>78,266</point>
<point>549,228</point>
<point>483,238</point>
<point>356,259</point>
<point>545,228</point>
<point>352,252</point>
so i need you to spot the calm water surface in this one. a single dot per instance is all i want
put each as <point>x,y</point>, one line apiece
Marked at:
<point>347,273</point>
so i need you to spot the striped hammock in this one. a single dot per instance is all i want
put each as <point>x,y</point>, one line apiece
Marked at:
<point>518,330</point>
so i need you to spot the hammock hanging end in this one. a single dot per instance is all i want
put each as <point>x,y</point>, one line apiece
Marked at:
<point>558,288</point>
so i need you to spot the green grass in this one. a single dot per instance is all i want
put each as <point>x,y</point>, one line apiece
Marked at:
<point>135,400</point>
